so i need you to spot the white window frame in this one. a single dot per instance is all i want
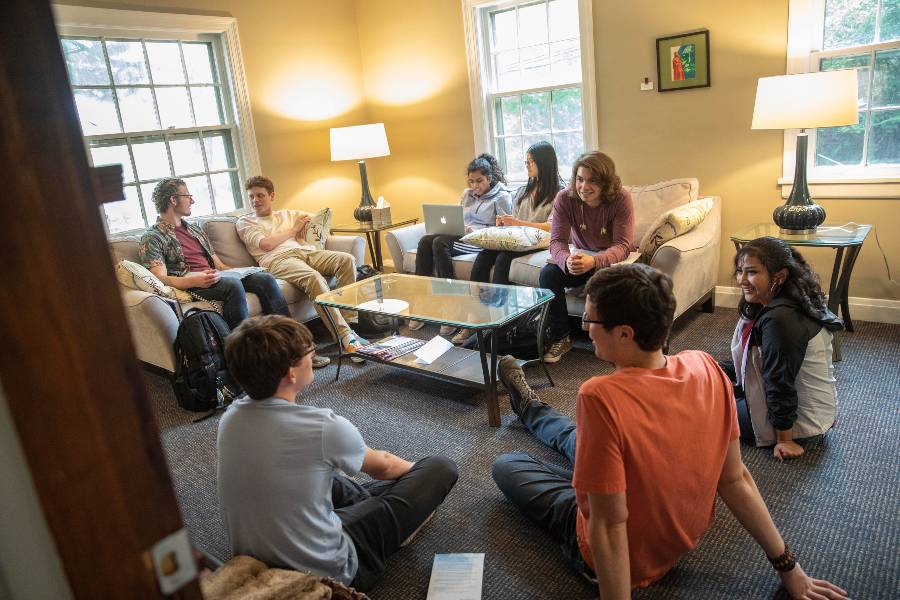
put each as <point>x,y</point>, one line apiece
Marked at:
<point>479,65</point>
<point>222,31</point>
<point>806,24</point>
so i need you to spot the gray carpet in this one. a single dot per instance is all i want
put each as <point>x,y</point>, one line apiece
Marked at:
<point>838,505</point>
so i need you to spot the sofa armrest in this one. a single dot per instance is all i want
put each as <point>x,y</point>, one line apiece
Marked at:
<point>402,240</point>
<point>692,259</point>
<point>153,321</point>
<point>351,244</point>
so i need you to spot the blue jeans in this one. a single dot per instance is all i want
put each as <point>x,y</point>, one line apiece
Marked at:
<point>544,492</point>
<point>232,292</point>
<point>556,280</point>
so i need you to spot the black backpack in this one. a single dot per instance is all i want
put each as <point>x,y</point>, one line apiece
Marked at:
<point>519,338</point>
<point>202,382</point>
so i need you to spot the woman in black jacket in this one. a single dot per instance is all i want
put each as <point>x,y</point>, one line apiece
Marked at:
<point>781,349</point>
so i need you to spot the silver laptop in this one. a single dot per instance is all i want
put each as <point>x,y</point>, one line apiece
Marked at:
<point>446,219</point>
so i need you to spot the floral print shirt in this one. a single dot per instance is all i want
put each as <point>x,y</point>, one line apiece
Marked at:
<point>160,247</point>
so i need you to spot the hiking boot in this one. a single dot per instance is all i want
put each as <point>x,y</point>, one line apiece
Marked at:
<point>415,325</point>
<point>512,376</point>
<point>462,336</point>
<point>410,537</point>
<point>557,350</point>
<point>447,330</point>
<point>320,361</point>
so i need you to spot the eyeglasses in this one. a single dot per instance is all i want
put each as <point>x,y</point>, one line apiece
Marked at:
<point>184,195</point>
<point>586,321</point>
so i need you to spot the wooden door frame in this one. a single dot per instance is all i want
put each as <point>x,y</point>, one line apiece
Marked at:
<point>67,364</point>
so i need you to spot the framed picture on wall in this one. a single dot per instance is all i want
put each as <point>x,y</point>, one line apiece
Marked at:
<point>682,61</point>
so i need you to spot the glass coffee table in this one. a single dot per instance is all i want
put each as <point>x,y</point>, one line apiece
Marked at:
<point>481,307</point>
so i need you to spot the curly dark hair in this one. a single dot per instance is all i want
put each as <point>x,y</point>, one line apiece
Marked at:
<point>489,166</point>
<point>603,173</point>
<point>260,181</point>
<point>164,190</point>
<point>801,285</point>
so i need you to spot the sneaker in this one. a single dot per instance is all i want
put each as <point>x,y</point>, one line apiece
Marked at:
<point>350,343</point>
<point>410,537</point>
<point>557,350</point>
<point>415,325</point>
<point>462,336</point>
<point>447,330</point>
<point>512,376</point>
<point>320,361</point>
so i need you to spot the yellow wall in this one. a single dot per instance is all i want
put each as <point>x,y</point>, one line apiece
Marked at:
<point>404,63</point>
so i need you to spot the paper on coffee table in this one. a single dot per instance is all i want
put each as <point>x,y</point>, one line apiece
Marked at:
<point>431,351</point>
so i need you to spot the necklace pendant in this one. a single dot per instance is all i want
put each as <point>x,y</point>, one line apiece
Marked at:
<point>603,231</point>
<point>583,226</point>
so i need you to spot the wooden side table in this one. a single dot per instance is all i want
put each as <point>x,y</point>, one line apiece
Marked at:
<point>373,236</point>
<point>847,241</point>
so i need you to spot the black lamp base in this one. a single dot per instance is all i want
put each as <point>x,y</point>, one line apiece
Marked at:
<point>363,212</point>
<point>799,215</point>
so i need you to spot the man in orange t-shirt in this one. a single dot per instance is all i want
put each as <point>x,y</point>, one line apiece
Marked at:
<point>656,440</point>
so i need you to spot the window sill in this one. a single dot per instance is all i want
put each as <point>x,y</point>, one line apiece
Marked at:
<point>847,188</point>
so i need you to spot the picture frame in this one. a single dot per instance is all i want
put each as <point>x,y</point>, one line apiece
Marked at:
<point>682,61</point>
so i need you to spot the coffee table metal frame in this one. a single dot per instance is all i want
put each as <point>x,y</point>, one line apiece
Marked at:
<point>457,365</point>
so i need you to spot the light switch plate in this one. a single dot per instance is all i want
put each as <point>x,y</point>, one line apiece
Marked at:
<point>646,86</point>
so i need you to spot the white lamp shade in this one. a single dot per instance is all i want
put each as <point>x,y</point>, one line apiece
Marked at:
<point>359,142</point>
<point>806,100</point>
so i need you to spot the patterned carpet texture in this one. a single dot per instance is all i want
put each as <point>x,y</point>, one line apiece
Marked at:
<point>838,505</point>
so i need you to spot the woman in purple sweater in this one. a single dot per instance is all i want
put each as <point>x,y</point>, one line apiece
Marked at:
<point>596,215</point>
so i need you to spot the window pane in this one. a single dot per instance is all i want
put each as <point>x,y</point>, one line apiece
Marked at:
<point>566,109</point>
<point>536,112</point>
<point>837,146</point>
<point>505,37</point>
<point>529,140</point>
<point>207,108</point>
<point>137,109</point>
<point>890,20</point>
<point>187,157</point>
<point>85,62</point>
<point>199,187</point>
<point>563,19</point>
<point>508,121</point>
<point>199,61</point>
<point>113,152</point>
<point>860,62</point>
<point>569,147</point>
<point>886,83</point>
<point>151,158</point>
<point>124,215</point>
<point>126,59</point>
<point>849,23</point>
<point>165,62</point>
<point>506,65</point>
<point>535,65</point>
<point>514,156</point>
<point>174,108</point>
<point>96,111</point>
<point>219,151</point>
<point>225,188</point>
<point>884,137</point>
<point>147,199</point>
<point>565,61</point>
<point>532,24</point>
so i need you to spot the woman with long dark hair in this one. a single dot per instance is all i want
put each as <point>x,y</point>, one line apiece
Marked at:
<point>781,350</point>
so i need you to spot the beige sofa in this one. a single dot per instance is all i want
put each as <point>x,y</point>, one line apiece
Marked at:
<point>692,259</point>
<point>154,319</point>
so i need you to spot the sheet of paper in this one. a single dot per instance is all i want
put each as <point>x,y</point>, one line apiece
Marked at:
<point>431,351</point>
<point>456,577</point>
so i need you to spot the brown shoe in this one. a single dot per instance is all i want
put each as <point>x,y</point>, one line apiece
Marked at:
<point>517,388</point>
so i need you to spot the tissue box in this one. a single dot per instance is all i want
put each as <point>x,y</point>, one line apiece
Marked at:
<point>381,216</point>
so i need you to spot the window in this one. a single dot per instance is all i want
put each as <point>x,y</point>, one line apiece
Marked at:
<point>865,35</point>
<point>531,73</point>
<point>161,106</point>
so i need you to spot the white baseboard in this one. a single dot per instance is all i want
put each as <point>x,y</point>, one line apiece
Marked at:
<point>861,309</point>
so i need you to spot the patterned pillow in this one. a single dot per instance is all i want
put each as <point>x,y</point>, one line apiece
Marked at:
<point>517,238</point>
<point>673,223</point>
<point>135,276</point>
<point>319,228</point>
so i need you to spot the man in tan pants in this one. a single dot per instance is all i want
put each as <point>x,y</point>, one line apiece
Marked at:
<point>277,240</point>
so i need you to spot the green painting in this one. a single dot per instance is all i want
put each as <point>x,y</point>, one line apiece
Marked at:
<point>683,61</point>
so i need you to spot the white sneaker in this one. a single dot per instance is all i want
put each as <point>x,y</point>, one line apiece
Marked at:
<point>350,343</point>
<point>448,330</point>
<point>415,325</point>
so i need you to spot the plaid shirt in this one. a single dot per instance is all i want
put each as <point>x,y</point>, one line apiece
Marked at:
<point>160,247</point>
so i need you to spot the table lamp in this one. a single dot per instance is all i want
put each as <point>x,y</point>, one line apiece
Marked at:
<point>802,101</point>
<point>357,143</point>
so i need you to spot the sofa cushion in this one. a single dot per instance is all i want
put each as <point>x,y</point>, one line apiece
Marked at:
<point>652,200</point>
<point>673,223</point>
<point>462,264</point>
<point>225,241</point>
<point>512,239</point>
<point>526,270</point>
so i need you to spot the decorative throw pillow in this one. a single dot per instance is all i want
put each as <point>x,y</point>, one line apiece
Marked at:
<point>135,276</point>
<point>319,227</point>
<point>673,223</point>
<point>517,238</point>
